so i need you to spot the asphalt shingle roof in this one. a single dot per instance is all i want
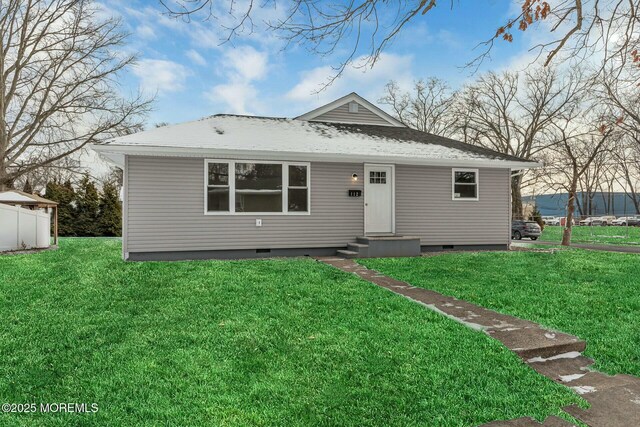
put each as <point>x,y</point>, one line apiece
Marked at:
<point>270,135</point>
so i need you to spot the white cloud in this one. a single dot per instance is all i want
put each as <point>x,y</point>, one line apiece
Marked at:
<point>146,31</point>
<point>205,36</point>
<point>241,67</point>
<point>154,16</point>
<point>369,83</point>
<point>161,76</point>
<point>196,57</point>
<point>235,96</point>
<point>246,63</point>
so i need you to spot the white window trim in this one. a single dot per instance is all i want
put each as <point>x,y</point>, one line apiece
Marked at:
<point>232,187</point>
<point>453,185</point>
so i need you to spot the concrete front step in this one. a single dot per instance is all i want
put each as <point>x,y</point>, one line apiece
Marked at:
<point>360,248</point>
<point>357,245</point>
<point>347,254</point>
<point>367,239</point>
<point>388,246</point>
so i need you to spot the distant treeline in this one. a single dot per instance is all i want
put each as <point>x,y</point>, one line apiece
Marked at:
<point>587,203</point>
<point>83,210</point>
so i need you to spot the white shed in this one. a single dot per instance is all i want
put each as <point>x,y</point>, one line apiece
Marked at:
<point>25,221</point>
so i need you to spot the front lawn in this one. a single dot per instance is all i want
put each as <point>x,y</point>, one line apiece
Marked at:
<point>613,235</point>
<point>265,342</point>
<point>594,295</point>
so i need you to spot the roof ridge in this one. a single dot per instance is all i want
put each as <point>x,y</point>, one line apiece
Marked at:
<point>247,116</point>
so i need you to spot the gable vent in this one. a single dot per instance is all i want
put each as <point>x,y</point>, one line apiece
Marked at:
<point>353,107</point>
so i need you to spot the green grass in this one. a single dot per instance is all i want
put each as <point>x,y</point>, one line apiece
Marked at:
<point>594,295</point>
<point>266,342</point>
<point>612,235</point>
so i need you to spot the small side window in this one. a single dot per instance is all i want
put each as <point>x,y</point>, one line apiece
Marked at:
<point>465,184</point>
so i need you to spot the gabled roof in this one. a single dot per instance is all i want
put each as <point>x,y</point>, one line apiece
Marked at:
<point>17,197</point>
<point>352,97</point>
<point>264,138</point>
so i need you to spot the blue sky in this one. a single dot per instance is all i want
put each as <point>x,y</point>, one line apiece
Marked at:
<point>194,75</point>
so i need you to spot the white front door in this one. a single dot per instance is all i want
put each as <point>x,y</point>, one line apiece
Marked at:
<point>378,199</point>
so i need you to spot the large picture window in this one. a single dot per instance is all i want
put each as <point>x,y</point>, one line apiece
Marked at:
<point>465,184</point>
<point>256,187</point>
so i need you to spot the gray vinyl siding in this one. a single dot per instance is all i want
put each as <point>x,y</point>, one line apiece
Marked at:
<point>341,114</point>
<point>424,207</point>
<point>164,210</point>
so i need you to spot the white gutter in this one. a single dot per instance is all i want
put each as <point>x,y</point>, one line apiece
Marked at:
<point>115,153</point>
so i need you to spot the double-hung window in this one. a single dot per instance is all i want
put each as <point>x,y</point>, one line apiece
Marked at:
<point>465,184</point>
<point>218,187</point>
<point>298,190</point>
<point>256,187</point>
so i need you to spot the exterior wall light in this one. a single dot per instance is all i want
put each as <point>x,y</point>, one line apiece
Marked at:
<point>354,177</point>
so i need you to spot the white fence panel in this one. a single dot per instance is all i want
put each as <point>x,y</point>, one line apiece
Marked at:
<point>43,234</point>
<point>23,228</point>
<point>8,227</point>
<point>28,224</point>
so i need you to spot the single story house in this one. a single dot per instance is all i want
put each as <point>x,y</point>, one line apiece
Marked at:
<point>344,177</point>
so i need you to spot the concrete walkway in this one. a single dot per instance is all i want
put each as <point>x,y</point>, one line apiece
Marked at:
<point>591,246</point>
<point>615,400</point>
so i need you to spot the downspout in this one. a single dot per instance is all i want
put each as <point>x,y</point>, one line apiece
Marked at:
<point>510,210</point>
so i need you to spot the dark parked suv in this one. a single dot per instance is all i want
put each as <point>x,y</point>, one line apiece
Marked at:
<point>520,229</point>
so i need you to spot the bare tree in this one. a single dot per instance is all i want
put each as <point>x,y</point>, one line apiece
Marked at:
<point>65,169</point>
<point>511,115</point>
<point>626,158</point>
<point>619,91</point>
<point>607,182</point>
<point>115,177</point>
<point>59,64</point>
<point>589,182</point>
<point>577,28</point>
<point>427,107</point>
<point>580,143</point>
